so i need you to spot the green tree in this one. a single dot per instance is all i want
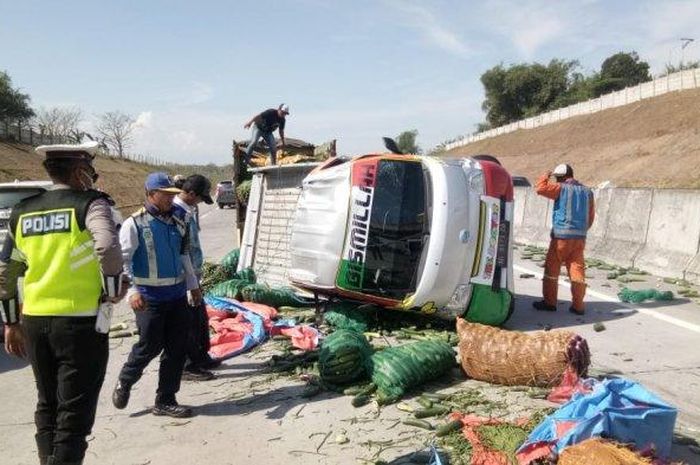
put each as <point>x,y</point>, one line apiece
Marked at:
<point>13,103</point>
<point>619,71</point>
<point>406,141</point>
<point>524,90</point>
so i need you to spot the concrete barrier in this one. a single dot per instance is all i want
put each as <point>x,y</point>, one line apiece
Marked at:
<point>692,274</point>
<point>536,218</point>
<point>673,232</point>
<point>596,235</point>
<point>654,230</point>
<point>626,226</point>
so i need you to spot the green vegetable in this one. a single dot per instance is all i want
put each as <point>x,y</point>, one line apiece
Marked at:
<point>431,412</point>
<point>418,423</point>
<point>352,390</point>
<point>449,427</point>
<point>311,390</point>
<point>343,357</point>
<point>397,369</point>
<point>360,400</point>
<point>436,397</point>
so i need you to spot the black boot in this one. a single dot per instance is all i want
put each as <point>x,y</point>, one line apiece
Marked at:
<point>120,395</point>
<point>54,461</point>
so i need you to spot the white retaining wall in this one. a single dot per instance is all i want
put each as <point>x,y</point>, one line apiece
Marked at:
<point>682,80</point>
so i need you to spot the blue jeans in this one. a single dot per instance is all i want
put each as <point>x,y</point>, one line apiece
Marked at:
<point>269,139</point>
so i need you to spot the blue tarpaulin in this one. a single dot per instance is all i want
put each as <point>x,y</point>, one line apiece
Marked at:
<point>618,409</point>
<point>256,336</point>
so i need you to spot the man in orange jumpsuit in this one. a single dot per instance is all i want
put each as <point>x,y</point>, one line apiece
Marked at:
<point>572,216</point>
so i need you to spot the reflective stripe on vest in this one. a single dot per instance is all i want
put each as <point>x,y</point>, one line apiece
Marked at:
<point>571,212</point>
<point>141,219</point>
<point>63,275</point>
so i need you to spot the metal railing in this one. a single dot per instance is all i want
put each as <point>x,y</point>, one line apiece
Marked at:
<point>27,134</point>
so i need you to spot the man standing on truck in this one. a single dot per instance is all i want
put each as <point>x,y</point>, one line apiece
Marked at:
<point>65,242</point>
<point>572,216</point>
<point>264,124</point>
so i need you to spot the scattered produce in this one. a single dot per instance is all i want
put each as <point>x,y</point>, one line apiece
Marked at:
<point>449,427</point>
<point>418,423</point>
<point>274,297</point>
<point>343,357</point>
<point>397,369</point>
<point>636,296</point>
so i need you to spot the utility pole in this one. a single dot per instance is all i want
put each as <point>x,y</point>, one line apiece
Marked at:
<point>685,41</point>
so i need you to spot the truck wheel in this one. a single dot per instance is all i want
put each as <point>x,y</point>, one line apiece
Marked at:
<point>221,205</point>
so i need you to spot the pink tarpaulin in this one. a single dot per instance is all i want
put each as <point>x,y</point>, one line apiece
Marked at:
<point>239,326</point>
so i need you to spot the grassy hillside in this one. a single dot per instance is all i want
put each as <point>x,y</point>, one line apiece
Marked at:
<point>651,143</point>
<point>122,179</point>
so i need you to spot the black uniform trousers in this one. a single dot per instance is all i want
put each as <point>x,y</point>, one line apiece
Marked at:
<point>163,330</point>
<point>198,341</point>
<point>69,360</point>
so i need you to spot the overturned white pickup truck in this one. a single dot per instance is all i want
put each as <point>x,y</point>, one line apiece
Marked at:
<point>410,233</point>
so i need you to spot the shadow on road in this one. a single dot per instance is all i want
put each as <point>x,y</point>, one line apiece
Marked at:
<point>278,402</point>
<point>10,362</point>
<point>526,318</point>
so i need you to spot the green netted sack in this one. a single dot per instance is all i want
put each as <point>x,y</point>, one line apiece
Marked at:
<point>343,357</point>
<point>247,274</point>
<point>230,262</point>
<point>231,289</point>
<point>629,295</point>
<point>346,315</point>
<point>398,369</point>
<point>243,192</point>
<point>274,297</point>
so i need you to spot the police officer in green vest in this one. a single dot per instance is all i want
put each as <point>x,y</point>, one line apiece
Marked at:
<point>65,243</point>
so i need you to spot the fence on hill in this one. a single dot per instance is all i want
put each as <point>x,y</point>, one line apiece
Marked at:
<point>35,136</point>
<point>26,134</point>
<point>682,80</point>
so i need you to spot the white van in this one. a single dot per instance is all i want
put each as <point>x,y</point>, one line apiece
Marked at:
<point>11,193</point>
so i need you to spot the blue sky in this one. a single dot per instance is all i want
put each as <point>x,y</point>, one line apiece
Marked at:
<point>192,72</point>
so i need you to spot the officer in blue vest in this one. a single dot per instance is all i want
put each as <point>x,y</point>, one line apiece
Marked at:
<point>155,247</point>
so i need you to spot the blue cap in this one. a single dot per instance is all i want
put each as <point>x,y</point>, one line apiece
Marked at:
<point>161,182</point>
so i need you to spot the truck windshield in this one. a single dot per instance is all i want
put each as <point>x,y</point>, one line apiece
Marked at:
<point>398,225</point>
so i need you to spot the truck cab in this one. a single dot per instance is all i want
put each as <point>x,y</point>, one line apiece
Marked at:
<point>408,232</point>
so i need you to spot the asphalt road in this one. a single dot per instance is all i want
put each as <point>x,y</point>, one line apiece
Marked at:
<point>245,416</point>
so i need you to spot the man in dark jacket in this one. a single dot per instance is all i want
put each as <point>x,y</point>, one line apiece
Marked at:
<point>264,124</point>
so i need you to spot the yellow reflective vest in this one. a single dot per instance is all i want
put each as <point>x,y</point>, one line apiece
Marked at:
<point>63,275</point>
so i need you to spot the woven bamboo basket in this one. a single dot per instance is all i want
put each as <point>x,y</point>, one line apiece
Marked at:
<point>598,451</point>
<point>512,357</point>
